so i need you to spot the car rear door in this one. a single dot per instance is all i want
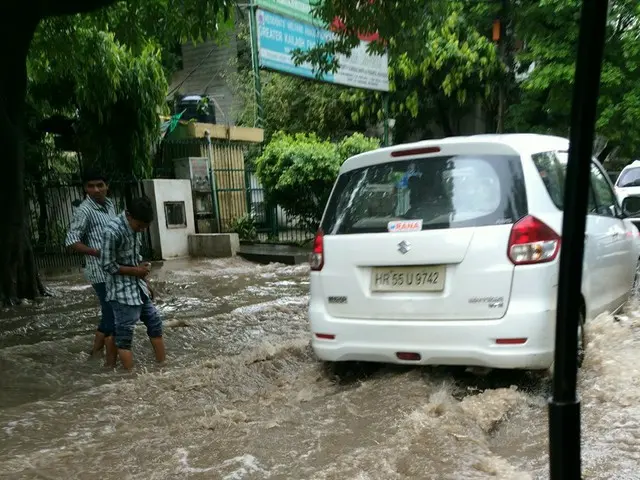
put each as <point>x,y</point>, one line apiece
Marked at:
<point>602,253</point>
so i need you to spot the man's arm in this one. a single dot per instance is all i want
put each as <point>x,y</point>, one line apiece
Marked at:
<point>109,262</point>
<point>77,231</point>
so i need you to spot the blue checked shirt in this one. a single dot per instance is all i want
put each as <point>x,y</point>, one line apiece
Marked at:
<point>121,247</point>
<point>87,226</point>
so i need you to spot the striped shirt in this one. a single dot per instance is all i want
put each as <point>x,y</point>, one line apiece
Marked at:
<point>121,248</point>
<point>87,226</point>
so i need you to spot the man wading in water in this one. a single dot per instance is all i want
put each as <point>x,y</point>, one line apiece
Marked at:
<point>85,237</point>
<point>127,289</point>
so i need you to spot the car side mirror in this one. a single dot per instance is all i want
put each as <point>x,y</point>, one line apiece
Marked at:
<point>631,206</point>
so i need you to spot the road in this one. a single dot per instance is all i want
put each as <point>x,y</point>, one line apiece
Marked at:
<point>242,396</point>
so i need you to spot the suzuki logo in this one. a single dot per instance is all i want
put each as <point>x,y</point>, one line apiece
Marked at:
<point>404,247</point>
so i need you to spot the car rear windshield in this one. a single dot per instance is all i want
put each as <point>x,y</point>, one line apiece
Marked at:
<point>629,178</point>
<point>438,192</point>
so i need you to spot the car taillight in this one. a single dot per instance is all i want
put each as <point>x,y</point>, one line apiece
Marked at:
<point>532,241</point>
<point>316,261</point>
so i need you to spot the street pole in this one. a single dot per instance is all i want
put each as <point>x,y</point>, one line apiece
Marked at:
<point>255,63</point>
<point>564,405</point>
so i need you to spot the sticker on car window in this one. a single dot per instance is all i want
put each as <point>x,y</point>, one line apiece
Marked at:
<point>405,226</point>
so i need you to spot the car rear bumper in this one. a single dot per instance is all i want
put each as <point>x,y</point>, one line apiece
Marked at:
<point>458,342</point>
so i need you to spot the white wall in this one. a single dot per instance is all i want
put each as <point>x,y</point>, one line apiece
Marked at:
<point>170,242</point>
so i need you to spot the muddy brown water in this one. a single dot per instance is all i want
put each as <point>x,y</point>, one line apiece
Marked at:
<point>242,396</point>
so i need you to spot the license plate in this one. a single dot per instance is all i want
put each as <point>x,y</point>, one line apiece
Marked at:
<point>408,279</point>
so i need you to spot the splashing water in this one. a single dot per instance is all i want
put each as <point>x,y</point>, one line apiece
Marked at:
<point>242,396</point>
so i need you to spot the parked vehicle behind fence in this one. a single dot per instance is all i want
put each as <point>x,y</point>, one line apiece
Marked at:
<point>445,252</point>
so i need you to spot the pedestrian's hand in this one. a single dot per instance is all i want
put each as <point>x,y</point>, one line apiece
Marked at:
<point>141,271</point>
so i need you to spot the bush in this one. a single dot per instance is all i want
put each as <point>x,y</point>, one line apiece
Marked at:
<point>355,144</point>
<point>245,227</point>
<point>298,171</point>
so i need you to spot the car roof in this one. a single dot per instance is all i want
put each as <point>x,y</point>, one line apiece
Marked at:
<point>520,143</point>
<point>531,142</point>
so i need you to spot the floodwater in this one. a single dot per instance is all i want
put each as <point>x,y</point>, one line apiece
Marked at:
<point>242,396</point>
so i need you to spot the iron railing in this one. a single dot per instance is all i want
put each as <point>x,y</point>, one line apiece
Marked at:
<point>238,192</point>
<point>50,209</point>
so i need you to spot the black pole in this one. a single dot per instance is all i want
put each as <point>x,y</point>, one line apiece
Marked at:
<point>564,406</point>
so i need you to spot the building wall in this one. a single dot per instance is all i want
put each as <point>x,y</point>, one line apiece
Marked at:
<point>213,67</point>
<point>166,242</point>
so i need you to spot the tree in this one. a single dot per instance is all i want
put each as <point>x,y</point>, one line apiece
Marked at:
<point>298,171</point>
<point>550,31</point>
<point>323,109</point>
<point>110,91</point>
<point>19,27</point>
<point>442,63</point>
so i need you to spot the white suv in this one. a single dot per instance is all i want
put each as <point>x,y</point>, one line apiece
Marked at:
<point>628,185</point>
<point>445,252</point>
<point>628,182</point>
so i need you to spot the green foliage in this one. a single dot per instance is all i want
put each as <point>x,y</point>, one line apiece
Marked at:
<point>355,144</point>
<point>116,93</point>
<point>551,31</point>
<point>108,70</point>
<point>298,171</point>
<point>165,22</point>
<point>441,61</point>
<point>245,227</point>
<point>320,109</point>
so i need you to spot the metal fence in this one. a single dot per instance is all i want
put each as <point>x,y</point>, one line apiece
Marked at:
<point>237,196</point>
<point>273,224</point>
<point>50,210</point>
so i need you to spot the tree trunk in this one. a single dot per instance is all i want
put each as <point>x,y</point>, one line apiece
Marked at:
<point>18,22</point>
<point>18,273</point>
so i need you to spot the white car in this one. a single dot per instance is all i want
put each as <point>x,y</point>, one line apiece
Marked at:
<point>628,185</point>
<point>628,182</point>
<point>445,252</point>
